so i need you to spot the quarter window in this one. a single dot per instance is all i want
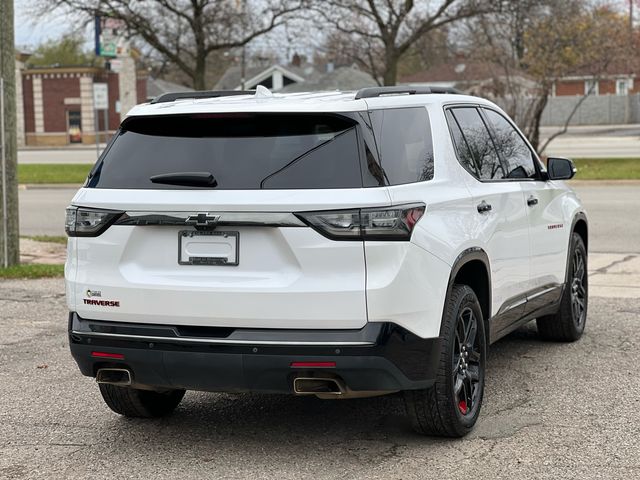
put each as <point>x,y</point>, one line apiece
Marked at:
<point>403,136</point>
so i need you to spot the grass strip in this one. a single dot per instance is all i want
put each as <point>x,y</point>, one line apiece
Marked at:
<point>50,173</point>
<point>608,168</point>
<point>588,169</point>
<point>32,271</point>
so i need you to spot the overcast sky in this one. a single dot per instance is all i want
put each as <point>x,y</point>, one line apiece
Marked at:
<point>30,33</point>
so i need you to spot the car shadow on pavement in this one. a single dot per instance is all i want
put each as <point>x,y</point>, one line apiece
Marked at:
<point>288,425</point>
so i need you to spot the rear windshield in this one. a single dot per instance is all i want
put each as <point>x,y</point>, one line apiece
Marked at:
<point>241,151</point>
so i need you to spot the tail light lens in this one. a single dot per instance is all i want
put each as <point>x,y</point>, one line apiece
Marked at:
<point>387,223</point>
<point>88,222</point>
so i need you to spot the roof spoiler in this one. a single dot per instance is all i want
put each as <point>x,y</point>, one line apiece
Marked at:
<point>173,96</point>
<point>372,92</point>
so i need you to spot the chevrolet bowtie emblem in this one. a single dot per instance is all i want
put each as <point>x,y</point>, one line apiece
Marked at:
<point>202,220</point>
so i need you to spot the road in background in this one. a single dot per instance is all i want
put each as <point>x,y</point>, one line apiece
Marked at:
<point>614,221</point>
<point>42,210</point>
<point>610,141</point>
<point>59,155</point>
<point>595,142</point>
<point>612,208</point>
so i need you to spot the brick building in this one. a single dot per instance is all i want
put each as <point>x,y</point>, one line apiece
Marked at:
<point>614,84</point>
<point>55,104</point>
<point>618,78</point>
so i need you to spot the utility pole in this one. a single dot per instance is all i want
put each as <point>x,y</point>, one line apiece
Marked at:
<point>9,238</point>
<point>240,5</point>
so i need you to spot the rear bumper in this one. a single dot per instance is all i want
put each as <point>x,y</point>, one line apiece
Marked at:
<point>378,357</point>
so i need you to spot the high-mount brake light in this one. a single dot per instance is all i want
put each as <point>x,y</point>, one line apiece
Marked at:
<point>384,223</point>
<point>88,222</point>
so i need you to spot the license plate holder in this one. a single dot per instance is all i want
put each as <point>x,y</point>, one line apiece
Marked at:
<point>208,247</point>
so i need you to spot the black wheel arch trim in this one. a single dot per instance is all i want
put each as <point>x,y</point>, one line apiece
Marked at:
<point>466,256</point>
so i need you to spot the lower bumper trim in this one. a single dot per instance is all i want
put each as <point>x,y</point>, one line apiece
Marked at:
<point>381,357</point>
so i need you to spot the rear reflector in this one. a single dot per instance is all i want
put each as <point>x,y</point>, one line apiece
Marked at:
<point>313,364</point>
<point>117,356</point>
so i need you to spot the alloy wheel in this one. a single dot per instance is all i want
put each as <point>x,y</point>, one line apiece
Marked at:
<point>578,290</point>
<point>467,363</point>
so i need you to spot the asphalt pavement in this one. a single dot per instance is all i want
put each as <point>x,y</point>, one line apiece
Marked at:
<point>613,210</point>
<point>551,411</point>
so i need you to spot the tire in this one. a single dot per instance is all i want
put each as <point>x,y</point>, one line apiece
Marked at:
<point>439,410</point>
<point>567,324</point>
<point>132,402</point>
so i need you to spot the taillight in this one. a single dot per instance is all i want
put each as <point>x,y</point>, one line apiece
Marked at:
<point>384,223</point>
<point>88,222</point>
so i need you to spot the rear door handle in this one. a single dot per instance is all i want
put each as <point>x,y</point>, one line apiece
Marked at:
<point>484,207</point>
<point>531,201</point>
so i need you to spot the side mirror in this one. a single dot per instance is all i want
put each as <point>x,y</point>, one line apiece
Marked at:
<point>560,168</point>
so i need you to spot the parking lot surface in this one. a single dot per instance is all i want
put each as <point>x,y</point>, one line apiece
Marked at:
<point>551,411</point>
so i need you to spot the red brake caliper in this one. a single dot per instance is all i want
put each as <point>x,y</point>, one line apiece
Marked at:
<point>462,406</point>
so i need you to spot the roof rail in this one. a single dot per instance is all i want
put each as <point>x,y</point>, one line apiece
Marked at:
<point>173,96</point>
<point>372,92</point>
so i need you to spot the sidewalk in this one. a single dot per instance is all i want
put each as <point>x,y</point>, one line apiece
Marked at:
<point>42,252</point>
<point>611,275</point>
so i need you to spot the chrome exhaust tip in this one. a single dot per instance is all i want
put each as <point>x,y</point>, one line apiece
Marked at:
<point>317,386</point>
<point>114,376</point>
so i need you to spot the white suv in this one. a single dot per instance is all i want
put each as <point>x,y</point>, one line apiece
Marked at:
<point>336,244</point>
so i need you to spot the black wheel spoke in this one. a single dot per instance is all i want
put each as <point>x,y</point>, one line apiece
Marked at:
<point>578,289</point>
<point>458,386</point>
<point>581,291</point>
<point>466,361</point>
<point>470,338</point>
<point>474,356</point>
<point>473,373</point>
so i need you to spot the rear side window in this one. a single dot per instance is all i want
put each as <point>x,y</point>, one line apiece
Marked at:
<point>241,151</point>
<point>474,146</point>
<point>403,136</point>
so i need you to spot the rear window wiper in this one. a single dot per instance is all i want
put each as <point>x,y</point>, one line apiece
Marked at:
<point>187,179</point>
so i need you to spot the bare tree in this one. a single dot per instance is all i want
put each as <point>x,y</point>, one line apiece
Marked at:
<point>388,28</point>
<point>188,32</point>
<point>545,40</point>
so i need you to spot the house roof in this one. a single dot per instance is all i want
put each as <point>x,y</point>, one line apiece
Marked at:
<point>157,86</point>
<point>619,67</point>
<point>232,77</point>
<point>342,78</point>
<point>458,72</point>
